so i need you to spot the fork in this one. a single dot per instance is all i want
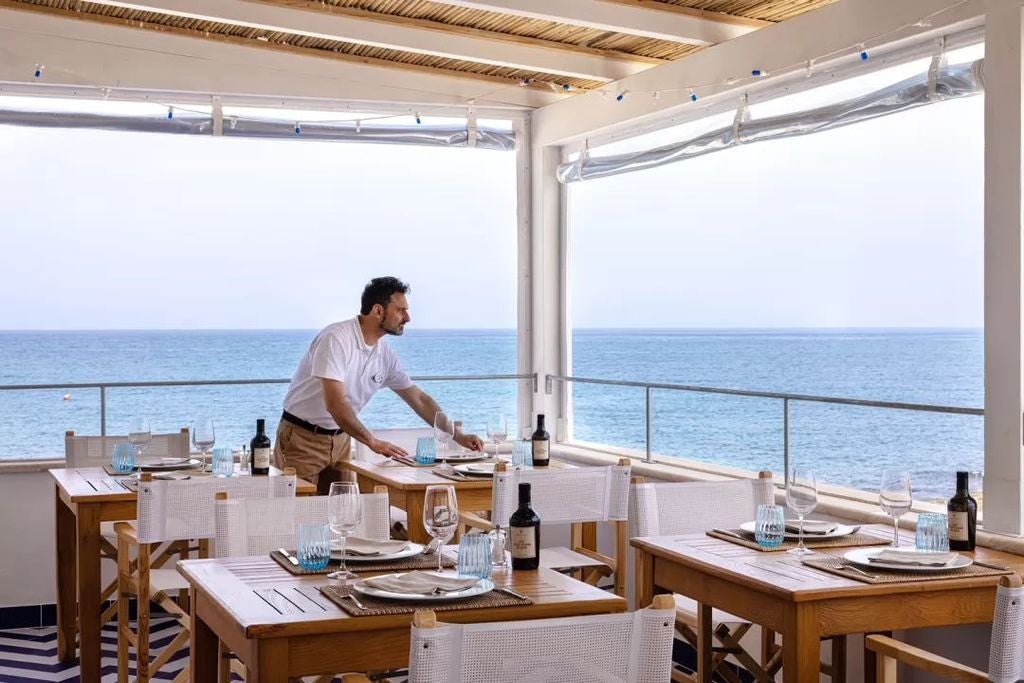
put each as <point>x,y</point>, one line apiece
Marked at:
<point>432,547</point>
<point>857,569</point>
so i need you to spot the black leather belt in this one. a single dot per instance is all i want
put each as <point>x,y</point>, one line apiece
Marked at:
<point>309,426</point>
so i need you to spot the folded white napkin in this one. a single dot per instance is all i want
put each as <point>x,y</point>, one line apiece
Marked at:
<point>422,583</point>
<point>356,545</point>
<point>914,557</point>
<point>811,527</point>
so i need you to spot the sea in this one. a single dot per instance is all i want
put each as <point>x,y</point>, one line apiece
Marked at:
<point>845,445</point>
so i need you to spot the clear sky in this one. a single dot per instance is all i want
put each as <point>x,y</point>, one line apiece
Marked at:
<point>878,224</point>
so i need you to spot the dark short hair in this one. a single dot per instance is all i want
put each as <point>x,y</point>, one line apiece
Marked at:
<point>379,291</point>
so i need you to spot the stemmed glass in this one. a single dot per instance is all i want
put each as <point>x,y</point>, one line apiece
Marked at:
<point>344,512</point>
<point>444,432</point>
<point>139,435</point>
<point>801,498</point>
<point>895,496</point>
<point>497,431</point>
<point>440,515</point>
<point>203,437</point>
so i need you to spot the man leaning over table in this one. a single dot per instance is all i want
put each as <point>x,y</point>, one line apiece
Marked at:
<point>345,365</point>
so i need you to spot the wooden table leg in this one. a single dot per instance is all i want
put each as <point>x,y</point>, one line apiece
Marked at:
<point>644,587</point>
<point>705,653</point>
<point>67,608</point>
<point>801,646</point>
<point>414,512</point>
<point>88,531</point>
<point>271,661</point>
<point>204,649</point>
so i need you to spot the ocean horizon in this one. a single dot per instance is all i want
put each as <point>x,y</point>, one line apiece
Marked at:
<point>847,445</point>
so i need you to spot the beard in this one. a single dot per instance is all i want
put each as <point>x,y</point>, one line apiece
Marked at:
<point>396,331</point>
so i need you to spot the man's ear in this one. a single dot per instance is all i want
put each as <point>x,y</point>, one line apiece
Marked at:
<point>377,310</point>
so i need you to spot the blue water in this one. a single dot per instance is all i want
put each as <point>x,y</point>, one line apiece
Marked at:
<point>847,445</point>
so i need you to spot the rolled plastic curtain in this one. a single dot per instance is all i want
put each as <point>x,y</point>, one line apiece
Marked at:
<point>943,83</point>
<point>193,124</point>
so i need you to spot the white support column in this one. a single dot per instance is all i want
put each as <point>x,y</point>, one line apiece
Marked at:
<point>524,277</point>
<point>1004,382</point>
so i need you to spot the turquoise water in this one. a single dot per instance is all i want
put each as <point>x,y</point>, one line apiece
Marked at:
<point>848,445</point>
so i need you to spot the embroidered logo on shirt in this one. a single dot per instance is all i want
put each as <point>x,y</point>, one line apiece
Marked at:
<point>378,378</point>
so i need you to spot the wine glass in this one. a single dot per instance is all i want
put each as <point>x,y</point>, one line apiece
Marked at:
<point>203,437</point>
<point>444,432</point>
<point>440,515</point>
<point>895,496</point>
<point>139,435</point>
<point>801,498</point>
<point>344,512</point>
<point>497,431</point>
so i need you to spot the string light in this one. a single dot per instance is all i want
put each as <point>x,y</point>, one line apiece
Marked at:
<point>810,68</point>
<point>863,53</point>
<point>298,128</point>
<point>523,82</point>
<point>656,95</point>
<point>621,96</point>
<point>693,95</point>
<point>359,126</point>
<point>170,113</point>
<point>756,73</point>
<point>234,122</point>
<point>567,88</point>
<point>40,68</point>
<point>418,122</point>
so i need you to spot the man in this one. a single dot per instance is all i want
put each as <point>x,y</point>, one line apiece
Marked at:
<point>347,363</point>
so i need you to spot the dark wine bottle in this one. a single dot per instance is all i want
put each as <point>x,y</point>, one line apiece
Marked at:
<point>963,515</point>
<point>260,448</point>
<point>541,444</point>
<point>524,533</point>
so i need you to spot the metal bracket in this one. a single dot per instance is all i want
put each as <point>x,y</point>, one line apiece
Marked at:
<point>547,385</point>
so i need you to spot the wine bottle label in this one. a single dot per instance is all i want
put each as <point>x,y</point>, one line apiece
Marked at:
<point>540,451</point>
<point>524,542</point>
<point>261,458</point>
<point>958,526</point>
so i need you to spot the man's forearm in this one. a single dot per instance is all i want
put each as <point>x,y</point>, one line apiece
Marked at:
<point>349,421</point>
<point>426,407</point>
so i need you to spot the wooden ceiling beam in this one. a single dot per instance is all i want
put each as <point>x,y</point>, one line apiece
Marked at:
<point>636,17</point>
<point>392,33</point>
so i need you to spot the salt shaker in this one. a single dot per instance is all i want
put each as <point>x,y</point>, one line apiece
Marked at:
<point>497,547</point>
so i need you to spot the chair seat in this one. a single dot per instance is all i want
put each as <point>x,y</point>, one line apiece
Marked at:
<point>565,558</point>
<point>686,612</point>
<point>166,580</point>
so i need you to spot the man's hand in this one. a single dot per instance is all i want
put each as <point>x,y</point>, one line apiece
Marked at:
<point>386,448</point>
<point>470,441</point>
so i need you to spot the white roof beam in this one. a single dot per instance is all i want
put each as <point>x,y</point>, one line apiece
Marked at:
<point>678,24</point>
<point>331,23</point>
<point>783,50</point>
<point>106,53</point>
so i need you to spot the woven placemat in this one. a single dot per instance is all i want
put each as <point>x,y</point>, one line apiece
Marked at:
<point>419,561</point>
<point>740,537</point>
<point>375,607</point>
<point>841,567</point>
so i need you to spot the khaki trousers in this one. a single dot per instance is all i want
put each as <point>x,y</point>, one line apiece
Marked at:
<point>316,458</point>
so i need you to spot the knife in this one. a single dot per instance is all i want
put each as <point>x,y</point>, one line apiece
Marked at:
<point>505,589</point>
<point>992,566</point>
<point>291,558</point>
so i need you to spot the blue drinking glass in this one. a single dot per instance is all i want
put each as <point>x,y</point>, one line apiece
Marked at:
<point>223,462</point>
<point>426,450</point>
<point>124,458</point>
<point>475,556</point>
<point>770,526</point>
<point>522,454</point>
<point>314,541</point>
<point>932,532</point>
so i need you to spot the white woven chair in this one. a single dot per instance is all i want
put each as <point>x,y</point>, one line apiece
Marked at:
<point>97,451</point>
<point>657,509</point>
<point>170,513</point>
<point>575,496</point>
<point>1006,651</point>
<point>406,438</point>
<point>616,648</point>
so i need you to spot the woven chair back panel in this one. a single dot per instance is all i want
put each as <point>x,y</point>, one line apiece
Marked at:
<point>180,510</point>
<point>1006,654</point>
<point>256,526</point>
<point>619,648</point>
<point>97,451</point>
<point>694,507</point>
<point>564,496</point>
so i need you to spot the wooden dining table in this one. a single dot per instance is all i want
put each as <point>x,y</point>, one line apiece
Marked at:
<point>777,591</point>
<point>407,487</point>
<point>85,497</point>
<point>280,627</point>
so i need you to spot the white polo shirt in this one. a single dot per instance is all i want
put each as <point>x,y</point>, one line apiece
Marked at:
<point>339,352</point>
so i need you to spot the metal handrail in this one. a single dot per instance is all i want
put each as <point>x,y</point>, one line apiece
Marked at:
<point>103,386</point>
<point>648,387</point>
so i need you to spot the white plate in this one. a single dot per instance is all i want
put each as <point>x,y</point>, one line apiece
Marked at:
<point>484,469</point>
<point>482,586</point>
<point>862,556</point>
<point>168,464</point>
<point>410,551</point>
<point>840,530</point>
<point>465,456</point>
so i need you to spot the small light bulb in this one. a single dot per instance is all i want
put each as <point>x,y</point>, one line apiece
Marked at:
<point>621,96</point>
<point>298,128</point>
<point>693,95</point>
<point>359,126</point>
<point>656,95</point>
<point>170,113</point>
<point>418,118</point>
<point>863,53</point>
<point>756,73</point>
<point>40,68</point>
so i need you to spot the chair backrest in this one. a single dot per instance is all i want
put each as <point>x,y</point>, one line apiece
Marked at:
<point>696,506</point>
<point>97,451</point>
<point>171,510</point>
<point>1006,655</point>
<point>406,438</point>
<point>563,496</point>
<point>623,648</point>
<point>254,526</point>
